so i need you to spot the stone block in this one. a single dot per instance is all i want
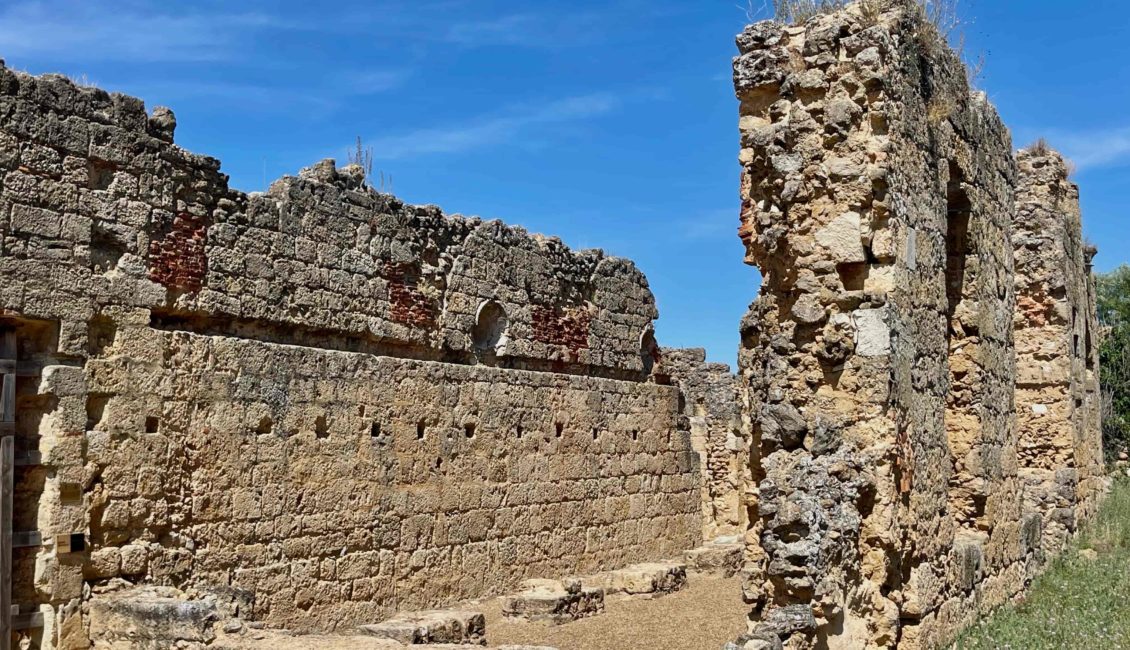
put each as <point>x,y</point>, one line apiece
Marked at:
<point>651,578</point>
<point>148,616</point>
<point>843,238</point>
<point>554,601</point>
<point>716,558</point>
<point>431,626</point>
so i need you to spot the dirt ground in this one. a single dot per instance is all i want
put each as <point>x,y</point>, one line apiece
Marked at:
<point>706,614</point>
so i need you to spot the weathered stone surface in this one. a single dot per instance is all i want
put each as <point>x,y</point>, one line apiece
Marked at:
<point>650,578</point>
<point>555,601</point>
<point>1057,404</point>
<point>878,363</point>
<point>718,437</point>
<point>722,557</point>
<point>153,618</point>
<point>331,403</point>
<point>842,238</point>
<point>453,626</point>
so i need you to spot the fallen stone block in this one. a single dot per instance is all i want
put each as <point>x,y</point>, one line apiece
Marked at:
<point>716,558</point>
<point>450,626</point>
<point>553,600</point>
<point>651,578</point>
<point>151,617</point>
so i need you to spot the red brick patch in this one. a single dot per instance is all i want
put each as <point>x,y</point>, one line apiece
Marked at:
<point>178,259</point>
<point>408,305</point>
<point>568,328</point>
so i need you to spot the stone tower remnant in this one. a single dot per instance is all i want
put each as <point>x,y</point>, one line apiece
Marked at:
<point>904,250</point>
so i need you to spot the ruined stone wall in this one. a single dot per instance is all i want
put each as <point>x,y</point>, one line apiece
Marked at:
<point>1060,436</point>
<point>878,359</point>
<point>318,401</point>
<point>710,403</point>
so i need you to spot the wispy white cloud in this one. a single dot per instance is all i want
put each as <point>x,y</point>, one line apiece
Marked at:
<point>324,95</point>
<point>140,31</point>
<point>491,130</point>
<point>121,31</point>
<point>236,96</point>
<point>525,30</point>
<point>1094,149</point>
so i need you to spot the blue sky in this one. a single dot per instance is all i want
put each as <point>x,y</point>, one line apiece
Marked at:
<point>611,124</point>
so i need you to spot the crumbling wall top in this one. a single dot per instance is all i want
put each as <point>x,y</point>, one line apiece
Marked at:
<point>319,258</point>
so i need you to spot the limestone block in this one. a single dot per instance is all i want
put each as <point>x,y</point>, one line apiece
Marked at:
<point>717,558</point>
<point>651,578</point>
<point>151,614</point>
<point>554,601</point>
<point>104,563</point>
<point>134,559</point>
<point>843,239</point>
<point>872,332</point>
<point>431,626</point>
<point>807,309</point>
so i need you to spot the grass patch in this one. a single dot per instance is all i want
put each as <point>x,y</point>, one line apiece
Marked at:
<point>1081,602</point>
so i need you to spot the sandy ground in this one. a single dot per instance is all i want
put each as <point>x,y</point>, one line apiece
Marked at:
<point>706,614</point>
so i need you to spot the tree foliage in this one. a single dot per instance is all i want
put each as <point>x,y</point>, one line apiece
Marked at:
<point>1113,298</point>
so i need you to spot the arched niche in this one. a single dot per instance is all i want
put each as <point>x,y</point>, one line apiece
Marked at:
<point>649,350</point>
<point>489,335</point>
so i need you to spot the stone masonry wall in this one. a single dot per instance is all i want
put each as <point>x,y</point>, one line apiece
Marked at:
<point>1057,402</point>
<point>319,402</point>
<point>878,361</point>
<point>710,403</point>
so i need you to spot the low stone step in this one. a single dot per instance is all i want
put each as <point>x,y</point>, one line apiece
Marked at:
<point>451,626</point>
<point>556,601</point>
<point>650,578</point>
<point>720,558</point>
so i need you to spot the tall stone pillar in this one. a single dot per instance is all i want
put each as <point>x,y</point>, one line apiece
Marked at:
<point>877,361</point>
<point>1056,393</point>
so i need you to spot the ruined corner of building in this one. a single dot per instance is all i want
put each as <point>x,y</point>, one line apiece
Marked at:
<point>919,365</point>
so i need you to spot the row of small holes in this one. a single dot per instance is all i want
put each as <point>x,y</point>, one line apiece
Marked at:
<point>321,429</point>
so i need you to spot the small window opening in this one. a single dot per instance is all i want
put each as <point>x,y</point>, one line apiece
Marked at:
<point>469,430</point>
<point>152,424</point>
<point>559,429</point>
<point>375,430</point>
<point>421,430</point>
<point>1088,349</point>
<point>635,434</point>
<point>518,431</point>
<point>595,433</point>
